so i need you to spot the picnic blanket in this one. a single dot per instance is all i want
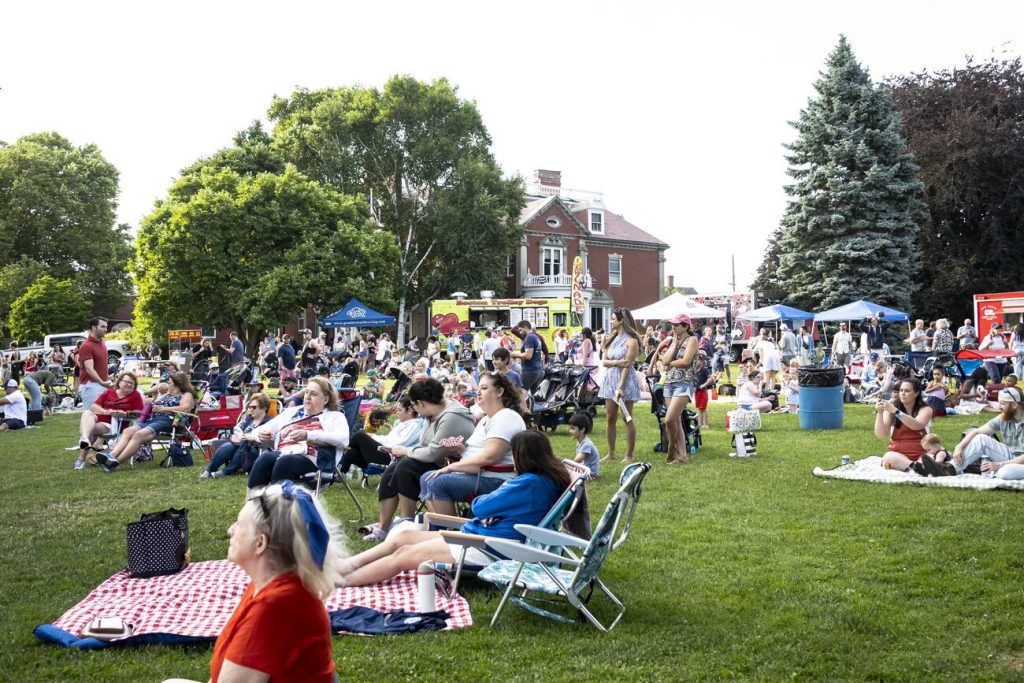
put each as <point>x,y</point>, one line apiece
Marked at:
<point>870,469</point>
<point>195,604</point>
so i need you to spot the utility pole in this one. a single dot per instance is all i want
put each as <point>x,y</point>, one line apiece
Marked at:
<point>733,283</point>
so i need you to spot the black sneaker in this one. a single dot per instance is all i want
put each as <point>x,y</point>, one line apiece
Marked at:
<point>919,468</point>
<point>947,470</point>
<point>928,464</point>
<point>108,463</point>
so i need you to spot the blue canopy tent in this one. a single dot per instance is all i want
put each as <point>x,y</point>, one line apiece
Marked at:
<point>859,310</point>
<point>776,312</point>
<point>357,314</point>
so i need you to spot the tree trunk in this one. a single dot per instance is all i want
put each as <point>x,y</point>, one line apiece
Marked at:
<point>400,341</point>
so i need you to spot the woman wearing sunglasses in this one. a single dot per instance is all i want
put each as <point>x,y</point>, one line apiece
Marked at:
<point>234,453</point>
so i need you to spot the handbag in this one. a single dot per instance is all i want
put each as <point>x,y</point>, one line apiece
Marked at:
<point>741,420</point>
<point>178,455</point>
<point>158,543</point>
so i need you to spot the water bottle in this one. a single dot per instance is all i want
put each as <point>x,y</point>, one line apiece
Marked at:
<point>425,582</point>
<point>987,475</point>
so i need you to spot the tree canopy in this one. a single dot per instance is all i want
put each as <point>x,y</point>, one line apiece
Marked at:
<point>965,127</point>
<point>48,306</point>
<point>15,279</point>
<point>850,226</point>
<point>250,251</point>
<point>423,154</point>
<point>57,206</point>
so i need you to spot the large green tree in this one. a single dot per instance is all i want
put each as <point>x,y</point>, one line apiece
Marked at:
<point>965,127</point>
<point>57,205</point>
<point>424,155</point>
<point>15,279</point>
<point>850,226</point>
<point>250,251</point>
<point>48,306</point>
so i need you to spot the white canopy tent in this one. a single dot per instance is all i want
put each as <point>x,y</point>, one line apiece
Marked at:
<point>673,305</point>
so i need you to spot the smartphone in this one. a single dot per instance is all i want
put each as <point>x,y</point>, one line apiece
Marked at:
<point>384,449</point>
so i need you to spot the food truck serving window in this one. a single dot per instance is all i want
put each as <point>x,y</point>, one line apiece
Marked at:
<point>489,317</point>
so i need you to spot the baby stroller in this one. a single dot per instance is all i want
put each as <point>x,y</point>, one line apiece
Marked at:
<point>347,378</point>
<point>401,385</point>
<point>554,397</point>
<point>239,376</point>
<point>690,424</point>
<point>270,365</point>
<point>584,392</point>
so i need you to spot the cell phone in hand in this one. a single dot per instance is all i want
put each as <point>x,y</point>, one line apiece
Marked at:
<point>384,449</point>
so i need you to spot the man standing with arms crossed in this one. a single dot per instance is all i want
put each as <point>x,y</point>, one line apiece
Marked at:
<point>92,359</point>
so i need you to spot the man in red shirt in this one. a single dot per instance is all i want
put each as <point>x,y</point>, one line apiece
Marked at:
<point>92,359</point>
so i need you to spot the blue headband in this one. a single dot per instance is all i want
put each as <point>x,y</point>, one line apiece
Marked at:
<point>315,529</point>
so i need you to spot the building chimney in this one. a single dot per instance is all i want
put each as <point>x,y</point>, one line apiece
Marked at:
<point>547,178</point>
<point>671,281</point>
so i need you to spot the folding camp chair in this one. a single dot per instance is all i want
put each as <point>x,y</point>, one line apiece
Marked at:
<point>535,568</point>
<point>328,459</point>
<point>562,508</point>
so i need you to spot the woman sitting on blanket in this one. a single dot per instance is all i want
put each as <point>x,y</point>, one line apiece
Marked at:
<point>905,420</point>
<point>522,500</point>
<point>750,394</point>
<point>289,546</point>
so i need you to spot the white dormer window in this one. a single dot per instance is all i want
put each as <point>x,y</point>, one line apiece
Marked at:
<point>597,222</point>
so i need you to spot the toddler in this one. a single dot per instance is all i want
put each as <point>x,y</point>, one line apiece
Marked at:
<point>704,380</point>
<point>586,452</point>
<point>936,461</point>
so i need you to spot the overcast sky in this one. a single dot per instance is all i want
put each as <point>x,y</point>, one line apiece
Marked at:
<point>678,113</point>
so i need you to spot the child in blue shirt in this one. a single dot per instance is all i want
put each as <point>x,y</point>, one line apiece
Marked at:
<point>586,452</point>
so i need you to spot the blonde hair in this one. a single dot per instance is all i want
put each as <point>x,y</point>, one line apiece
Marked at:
<point>327,389</point>
<point>931,439</point>
<point>288,542</point>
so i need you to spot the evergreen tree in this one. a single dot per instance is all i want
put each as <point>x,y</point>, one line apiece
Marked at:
<point>767,276</point>
<point>850,228</point>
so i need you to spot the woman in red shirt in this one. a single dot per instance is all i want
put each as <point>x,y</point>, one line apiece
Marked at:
<point>119,402</point>
<point>905,421</point>
<point>280,631</point>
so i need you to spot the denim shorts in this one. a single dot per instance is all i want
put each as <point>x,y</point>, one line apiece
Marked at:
<point>675,389</point>
<point>456,486</point>
<point>160,423</point>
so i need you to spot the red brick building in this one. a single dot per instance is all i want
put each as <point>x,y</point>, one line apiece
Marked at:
<point>625,265</point>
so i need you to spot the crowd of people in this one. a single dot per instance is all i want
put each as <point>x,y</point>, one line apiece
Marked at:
<point>460,438</point>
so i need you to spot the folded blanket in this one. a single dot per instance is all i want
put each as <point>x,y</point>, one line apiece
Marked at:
<point>196,603</point>
<point>870,469</point>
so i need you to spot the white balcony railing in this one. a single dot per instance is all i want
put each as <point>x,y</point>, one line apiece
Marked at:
<point>560,280</point>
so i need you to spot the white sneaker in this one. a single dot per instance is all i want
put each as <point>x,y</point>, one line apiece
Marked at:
<point>216,475</point>
<point>80,464</point>
<point>204,474</point>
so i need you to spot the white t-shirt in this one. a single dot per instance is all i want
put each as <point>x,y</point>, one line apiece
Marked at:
<point>18,409</point>
<point>841,342</point>
<point>918,340</point>
<point>504,425</point>
<point>490,346</point>
<point>383,346</point>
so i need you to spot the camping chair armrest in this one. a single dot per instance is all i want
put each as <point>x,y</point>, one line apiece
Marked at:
<point>465,540</point>
<point>521,552</point>
<point>438,520</point>
<point>548,537</point>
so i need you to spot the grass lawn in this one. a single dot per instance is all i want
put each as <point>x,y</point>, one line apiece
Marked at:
<point>751,569</point>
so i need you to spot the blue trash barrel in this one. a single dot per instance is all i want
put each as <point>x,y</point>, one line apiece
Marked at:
<point>821,397</point>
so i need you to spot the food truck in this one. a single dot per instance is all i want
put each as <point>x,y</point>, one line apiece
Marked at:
<point>1004,307</point>
<point>548,316</point>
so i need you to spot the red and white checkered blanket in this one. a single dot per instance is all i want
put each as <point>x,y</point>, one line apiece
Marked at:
<point>198,601</point>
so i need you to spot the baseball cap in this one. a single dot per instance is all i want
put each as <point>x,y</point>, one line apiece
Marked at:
<point>682,318</point>
<point>11,383</point>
